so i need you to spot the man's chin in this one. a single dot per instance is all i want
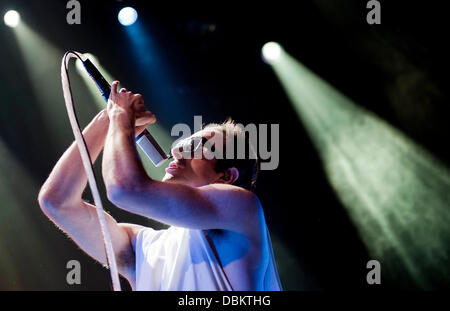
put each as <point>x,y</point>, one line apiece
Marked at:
<point>175,179</point>
<point>167,177</point>
<point>170,178</point>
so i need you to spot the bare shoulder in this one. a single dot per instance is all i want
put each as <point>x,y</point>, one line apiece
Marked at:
<point>231,194</point>
<point>238,205</point>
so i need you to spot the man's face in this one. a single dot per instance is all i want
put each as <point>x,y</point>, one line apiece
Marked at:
<point>190,171</point>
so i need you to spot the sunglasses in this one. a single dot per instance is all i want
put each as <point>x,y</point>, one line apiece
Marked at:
<point>190,147</point>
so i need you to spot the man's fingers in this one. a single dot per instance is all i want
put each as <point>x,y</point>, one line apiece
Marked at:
<point>139,107</point>
<point>147,115</point>
<point>114,86</point>
<point>139,129</point>
<point>145,118</point>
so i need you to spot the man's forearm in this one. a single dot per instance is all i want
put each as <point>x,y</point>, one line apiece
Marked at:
<point>68,179</point>
<point>121,166</point>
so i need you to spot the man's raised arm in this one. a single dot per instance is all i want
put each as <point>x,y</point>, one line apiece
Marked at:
<point>60,198</point>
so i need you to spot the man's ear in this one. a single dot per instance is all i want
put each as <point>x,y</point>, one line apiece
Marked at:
<point>229,177</point>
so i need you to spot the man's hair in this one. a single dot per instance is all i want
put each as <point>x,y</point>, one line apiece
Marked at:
<point>249,166</point>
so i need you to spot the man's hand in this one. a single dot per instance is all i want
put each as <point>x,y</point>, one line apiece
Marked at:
<point>128,109</point>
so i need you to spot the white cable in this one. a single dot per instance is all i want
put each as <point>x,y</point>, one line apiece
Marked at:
<point>111,260</point>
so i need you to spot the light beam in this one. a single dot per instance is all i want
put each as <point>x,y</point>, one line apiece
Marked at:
<point>396,193</point>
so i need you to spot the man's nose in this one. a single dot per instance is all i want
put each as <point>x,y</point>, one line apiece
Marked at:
<point>178,157</point>
<point>180,154</point>
<point>176,153</point>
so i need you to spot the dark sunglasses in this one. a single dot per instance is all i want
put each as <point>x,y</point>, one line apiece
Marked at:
<point>191,145</point>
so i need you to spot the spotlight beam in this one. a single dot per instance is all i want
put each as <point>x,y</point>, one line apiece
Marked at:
<point>42,61</point>
<point>395,192</point>
<point>24,222</point>
<point>157,73</point>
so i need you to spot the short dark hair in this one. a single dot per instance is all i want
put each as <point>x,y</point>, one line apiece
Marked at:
<point>249,166</point>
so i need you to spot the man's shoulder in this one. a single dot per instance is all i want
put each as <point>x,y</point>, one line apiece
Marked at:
<point>233,194</point>
<point>244,209</point>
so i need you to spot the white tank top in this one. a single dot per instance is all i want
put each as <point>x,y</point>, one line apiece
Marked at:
<point>181,259</point>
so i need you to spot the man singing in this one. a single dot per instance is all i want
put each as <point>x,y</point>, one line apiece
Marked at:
<point>217,239</point>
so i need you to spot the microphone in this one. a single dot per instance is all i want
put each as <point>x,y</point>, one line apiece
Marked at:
<point>145,140</point>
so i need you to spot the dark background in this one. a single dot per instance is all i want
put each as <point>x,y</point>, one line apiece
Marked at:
<point>396,69</point>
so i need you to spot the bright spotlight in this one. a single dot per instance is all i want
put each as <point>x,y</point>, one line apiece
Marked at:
<point>12,18</point>
<point>271,52</point>
<point>127,16</point>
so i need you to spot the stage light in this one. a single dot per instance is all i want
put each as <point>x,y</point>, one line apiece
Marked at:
<point>127,16</point>
<point>12,18</point>
<point>271,52</point>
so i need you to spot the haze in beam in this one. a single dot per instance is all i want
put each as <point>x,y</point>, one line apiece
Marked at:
<point>25,262</point>
<point>43,63</point>
<point>163,82</point>
<point>396,193</point>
